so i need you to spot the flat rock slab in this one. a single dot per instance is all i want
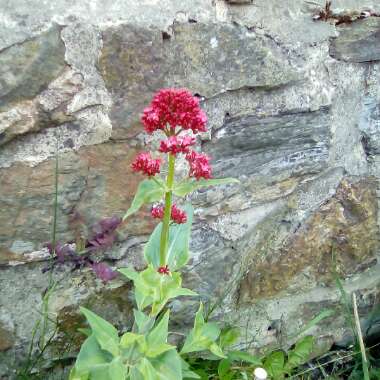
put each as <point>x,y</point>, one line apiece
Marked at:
<point>208,59</point>
<point>358,42</point>
<point>295,142</point>
<point>27,68</point>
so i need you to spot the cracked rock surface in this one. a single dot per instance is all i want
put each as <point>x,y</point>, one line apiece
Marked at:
<point>294,113</point>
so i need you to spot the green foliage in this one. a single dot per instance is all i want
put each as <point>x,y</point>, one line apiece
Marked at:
<point>178,247</point>
<point>203,336</point>
<point>155,290</point>
<point>105,334</point>
<point>149,191</point>
<point>104,355</point>
<point>142,355</point>
<point>278,364</point>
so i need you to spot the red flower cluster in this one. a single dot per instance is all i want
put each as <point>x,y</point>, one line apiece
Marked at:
<point>174,107</point>
<point>164,270</point>
<point>177,144</point>
<point>177,215</point>
<point>145,164</point>
<point>199,165</point>
<point>157,212</point>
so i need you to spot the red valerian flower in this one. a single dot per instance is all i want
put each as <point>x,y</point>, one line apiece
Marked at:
<point>164,270</point>
<point>177,144</point>
<point>174,107</point>
<point>199,165</point>
<point>157,211</point>
<point>176,215</point>
<point>145,164</point>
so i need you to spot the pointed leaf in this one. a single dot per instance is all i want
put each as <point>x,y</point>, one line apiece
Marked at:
<point>224,368</point>
<point>129,273</point>
<point>149,191</point>
<point>128,339</point>
<point>186,372</point>
<point>116,370</point>
<point>274,364</point>
<point>90,356</point>
<point>244,357</point>
<point>154,351</point>
<point>228,336</point>
<point>216,350</point>
<point>168,365</point>
<point>147,370</point>
<point>183,188</point>
<point>178,247</point>
<point>144,323</point>
<point>300,353</point>
<point>159,334</point>
<point>203,336</point>
<point>103,331</point>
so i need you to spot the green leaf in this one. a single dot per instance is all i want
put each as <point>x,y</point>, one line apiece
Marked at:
<point>146,289</point>
<point>274,364</point>
<point>160,332</point>
<point>106,335</point>
<point>128,339</point>
<point>178,247</point>
<point>185,187</point>
<point>210,330</point>
<point>147,370</point>
<point>154,351</point>
<point>170,287</point>
<point>202,336</point>
<point>152,288</point>
<point>116,370</point>
<point>90,357</point>
<point>85,331</point>
<point>224,370</point>
<point>300,353</point>
<point>149,191</point>
<point>228,336</point>
<point>144,323</point>
<point>100,372</point>
<point>244,357</point>
<point>157,338</point>
<point>129,273</point>
<point>168,366</point>
<point>216,350</point>
<point>186,372</point>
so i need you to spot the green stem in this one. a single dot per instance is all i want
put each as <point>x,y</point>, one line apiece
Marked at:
<point>167,211</point>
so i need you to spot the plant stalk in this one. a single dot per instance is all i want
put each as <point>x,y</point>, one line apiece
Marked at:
<point>360,339</point>
<point>164,242</point>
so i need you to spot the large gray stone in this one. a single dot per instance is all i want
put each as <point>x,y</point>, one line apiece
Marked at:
<point>358,42</point>
<point>206,58</point>
<point>294,142</point>
<point>27,68</point>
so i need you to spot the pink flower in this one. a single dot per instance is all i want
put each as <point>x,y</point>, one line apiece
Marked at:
<point>144,163</point>
<point>164,270</point>
<point>176,215</point>
<point>157,211</point>
<point>174,107</point>
<point>199,165</point>
<point>174,144</point>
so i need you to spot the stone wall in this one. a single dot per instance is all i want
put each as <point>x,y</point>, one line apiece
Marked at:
<point>294,113</point>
